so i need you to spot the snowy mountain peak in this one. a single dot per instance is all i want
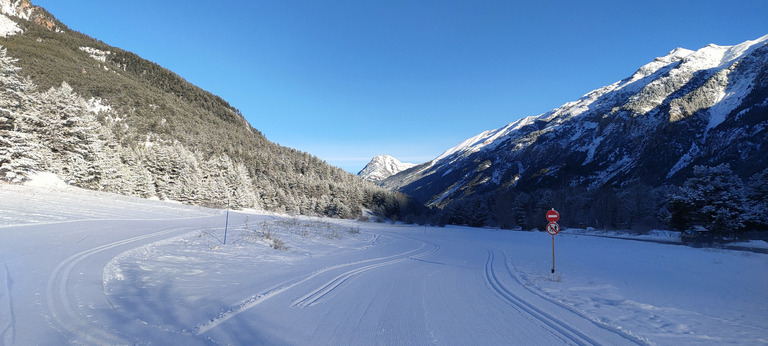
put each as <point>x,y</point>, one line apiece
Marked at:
<point>383,166</point>
<point>715,56</point>
<point>676,54</point>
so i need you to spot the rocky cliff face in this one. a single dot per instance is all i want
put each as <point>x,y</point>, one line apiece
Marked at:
<point>23,9</point>
<point>687,108</point>
<point>17,8</point>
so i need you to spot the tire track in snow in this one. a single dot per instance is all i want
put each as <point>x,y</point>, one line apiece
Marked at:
<point>260,298</point>
<point>558,327</point>
<point>8,334</point>
<point>63,311</point>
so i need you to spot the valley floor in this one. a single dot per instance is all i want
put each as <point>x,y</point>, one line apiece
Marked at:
<point>86,267</point>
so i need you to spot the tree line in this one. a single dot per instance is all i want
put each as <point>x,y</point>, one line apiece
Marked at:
<point>713,197</point>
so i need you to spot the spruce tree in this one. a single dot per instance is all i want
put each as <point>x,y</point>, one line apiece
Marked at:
<point>713,197</point>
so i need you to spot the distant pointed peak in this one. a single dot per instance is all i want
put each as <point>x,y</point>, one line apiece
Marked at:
<point>384,158</point>
<point>382,167</point>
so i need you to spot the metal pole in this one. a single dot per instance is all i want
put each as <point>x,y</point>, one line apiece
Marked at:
<point>226,224</point>
<point>553,254</point>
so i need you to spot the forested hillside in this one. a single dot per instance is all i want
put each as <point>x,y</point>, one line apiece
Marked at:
<point>103,118</point>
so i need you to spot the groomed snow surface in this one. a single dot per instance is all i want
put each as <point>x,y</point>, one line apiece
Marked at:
<point>84,267</point>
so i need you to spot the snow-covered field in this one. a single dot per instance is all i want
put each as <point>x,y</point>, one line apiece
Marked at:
<point>90,268</point>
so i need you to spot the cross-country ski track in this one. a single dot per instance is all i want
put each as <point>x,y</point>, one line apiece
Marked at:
<point>141,272</point>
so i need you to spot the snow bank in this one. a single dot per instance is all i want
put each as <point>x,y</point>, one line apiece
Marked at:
<point>45,179</point>
<point>46,199</point>
<point>658,235</point>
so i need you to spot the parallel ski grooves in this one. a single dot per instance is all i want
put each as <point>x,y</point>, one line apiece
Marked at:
<point>258,299</point>
<point>622,333</point>
<point>314,296</point>
<point>558,326</point>
<point>61,307</point>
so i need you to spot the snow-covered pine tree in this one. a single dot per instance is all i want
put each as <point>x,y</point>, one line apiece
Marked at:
<point>19,149</point>
<point>757,199</point>
<point>713,197</point>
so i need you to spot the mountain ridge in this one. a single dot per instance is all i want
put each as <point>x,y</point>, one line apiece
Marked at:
<point>648,70</point>
<point>648,130</point>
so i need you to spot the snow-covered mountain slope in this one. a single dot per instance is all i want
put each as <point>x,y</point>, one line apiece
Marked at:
<point>381,167</point>
<point>686,108</point>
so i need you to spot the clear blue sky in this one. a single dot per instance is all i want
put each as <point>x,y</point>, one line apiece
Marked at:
<point>349,79</point>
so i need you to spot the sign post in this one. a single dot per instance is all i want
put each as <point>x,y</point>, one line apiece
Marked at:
<point>553,228</point>
<point>553,254</point>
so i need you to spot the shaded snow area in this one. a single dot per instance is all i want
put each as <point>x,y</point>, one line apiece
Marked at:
<point>85,267</point>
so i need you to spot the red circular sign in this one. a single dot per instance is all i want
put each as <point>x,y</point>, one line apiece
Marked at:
<point>553,215</point>
<point>553,228</point>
